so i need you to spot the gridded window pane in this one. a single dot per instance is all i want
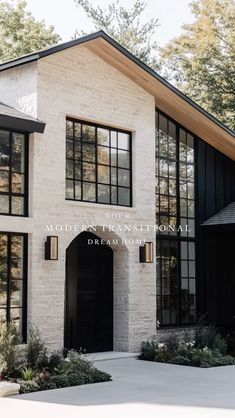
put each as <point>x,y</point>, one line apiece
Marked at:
<point>123,196</point>
<point>78,189</point>
<point>4,149</point>
<point>114,195</point>
<point>114,139</point>
<point>17,185</point>
<point>88,133</point>
<point>86,148</point>
<point>16,319</point>
<point>3,290</point>
<point>103,155</point>
<point>103,174</point>
<point>18,152</point>
<point>113,157</point>
<point>89,192</point>
<point>17,205</point>
<point>77,169</point>
<point>103,136</point>
<point>4,181</point>
<point>99,164</point>
<point>69,129</point>
<point>191,249</point>
<point>69,189</point>
<point>69,148</point>
<point>88,152</point>
<point>123,140</point>
<point>3,316</point>
<point>123,177</point>
<point>69,169</point>
<point>12,167</point>
<point>16,293</point>
<point>11,288</point>
<point>123,159</point>
<point>77,131</point>
<point>175,202</point>
<point>89,173</point>
<point>163,183</point>
<point>113,175</point>
<point>4,204</point>
<point>103,193</point>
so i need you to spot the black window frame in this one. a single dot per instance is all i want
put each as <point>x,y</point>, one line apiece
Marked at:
<point>178,238</point>
<point>97,164</point>
<point>11,194</point>
<point>24,280</point>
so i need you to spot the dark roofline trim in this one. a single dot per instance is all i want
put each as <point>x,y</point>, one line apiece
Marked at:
<point>18,124</point>
<point>101,34</point>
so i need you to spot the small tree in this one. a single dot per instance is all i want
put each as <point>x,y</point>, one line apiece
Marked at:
<point>124,25</point>
<point>20,32</point>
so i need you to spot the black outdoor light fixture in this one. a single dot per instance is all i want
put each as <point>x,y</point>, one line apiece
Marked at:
<point>146,252</point>
<point>51,248</point>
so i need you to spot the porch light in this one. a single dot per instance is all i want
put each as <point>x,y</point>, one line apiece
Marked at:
<point>51,248</point>
<point>146,253</point>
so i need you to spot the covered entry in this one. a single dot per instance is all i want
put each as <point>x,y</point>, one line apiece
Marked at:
<point>218,275</point>
<point>89,294</point>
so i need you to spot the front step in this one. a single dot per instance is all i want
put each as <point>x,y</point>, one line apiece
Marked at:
<point>110,355</point>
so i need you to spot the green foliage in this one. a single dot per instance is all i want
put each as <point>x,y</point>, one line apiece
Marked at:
<point>20,32</point>
<point>28,374</point>
<point>209,337</point>
<point>8,350</point>
<point>29,386</point>
<point>201,60</point>
<point>208,349</point>
<point>172,342</point>
<point>124,25</point>
<point>148,350</point>
<point>55,360</point>
<point>36,351</point>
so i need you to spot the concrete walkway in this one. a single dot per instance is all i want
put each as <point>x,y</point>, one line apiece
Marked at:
<point>139,389</point>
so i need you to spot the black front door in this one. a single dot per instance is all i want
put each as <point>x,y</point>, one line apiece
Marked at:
<point>89,294</point>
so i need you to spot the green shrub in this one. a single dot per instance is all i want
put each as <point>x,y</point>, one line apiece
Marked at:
<point>182,360</point>
<point>36,352</point>
<point>9,339</point>
<point>148,350</point>
<point>29,386</point>
<point>28,374</point>
<point>209,337</point>
<point>55,360</point>
<point>97,375</point>
<point>172,342</point>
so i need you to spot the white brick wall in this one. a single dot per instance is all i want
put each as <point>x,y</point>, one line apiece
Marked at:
<point>77,83</point>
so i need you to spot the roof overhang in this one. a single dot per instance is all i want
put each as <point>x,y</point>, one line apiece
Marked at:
<point>223,221</point>
<point>25,125</point>
<point>167,98</point>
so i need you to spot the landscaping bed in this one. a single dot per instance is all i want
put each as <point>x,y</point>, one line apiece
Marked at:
<point>207,348</point>
<point>36,369</point>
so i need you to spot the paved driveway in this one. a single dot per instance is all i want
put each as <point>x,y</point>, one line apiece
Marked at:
<point>139,389</point>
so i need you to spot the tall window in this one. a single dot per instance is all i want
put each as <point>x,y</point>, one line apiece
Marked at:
<point>98,164</point>
<point>13,177</point>
<point>13,250</point>
<point>175,213</point>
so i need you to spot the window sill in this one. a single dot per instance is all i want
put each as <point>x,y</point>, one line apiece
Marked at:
<point>108,207</point>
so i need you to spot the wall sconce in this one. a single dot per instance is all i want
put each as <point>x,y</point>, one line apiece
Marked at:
<point>146,253</point>
<point>51,248</point>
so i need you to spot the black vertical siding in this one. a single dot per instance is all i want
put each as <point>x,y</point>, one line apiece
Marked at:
<point>215,189</point>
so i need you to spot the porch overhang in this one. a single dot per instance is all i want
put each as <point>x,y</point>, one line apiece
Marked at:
<point>223,221</point>
<point>11,118</point>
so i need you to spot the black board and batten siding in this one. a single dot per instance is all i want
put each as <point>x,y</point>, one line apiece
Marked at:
<point>216,250</point>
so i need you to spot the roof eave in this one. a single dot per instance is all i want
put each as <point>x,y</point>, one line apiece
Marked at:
<point>25,125</point>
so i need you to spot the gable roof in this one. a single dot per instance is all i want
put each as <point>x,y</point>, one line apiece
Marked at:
<point>168,98</point>
<point>10,118</point>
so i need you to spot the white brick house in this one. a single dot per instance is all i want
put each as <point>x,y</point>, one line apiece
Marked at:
<point>100,93</point>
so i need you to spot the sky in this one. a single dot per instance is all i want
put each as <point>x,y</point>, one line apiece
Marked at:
<point>66,17</point>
